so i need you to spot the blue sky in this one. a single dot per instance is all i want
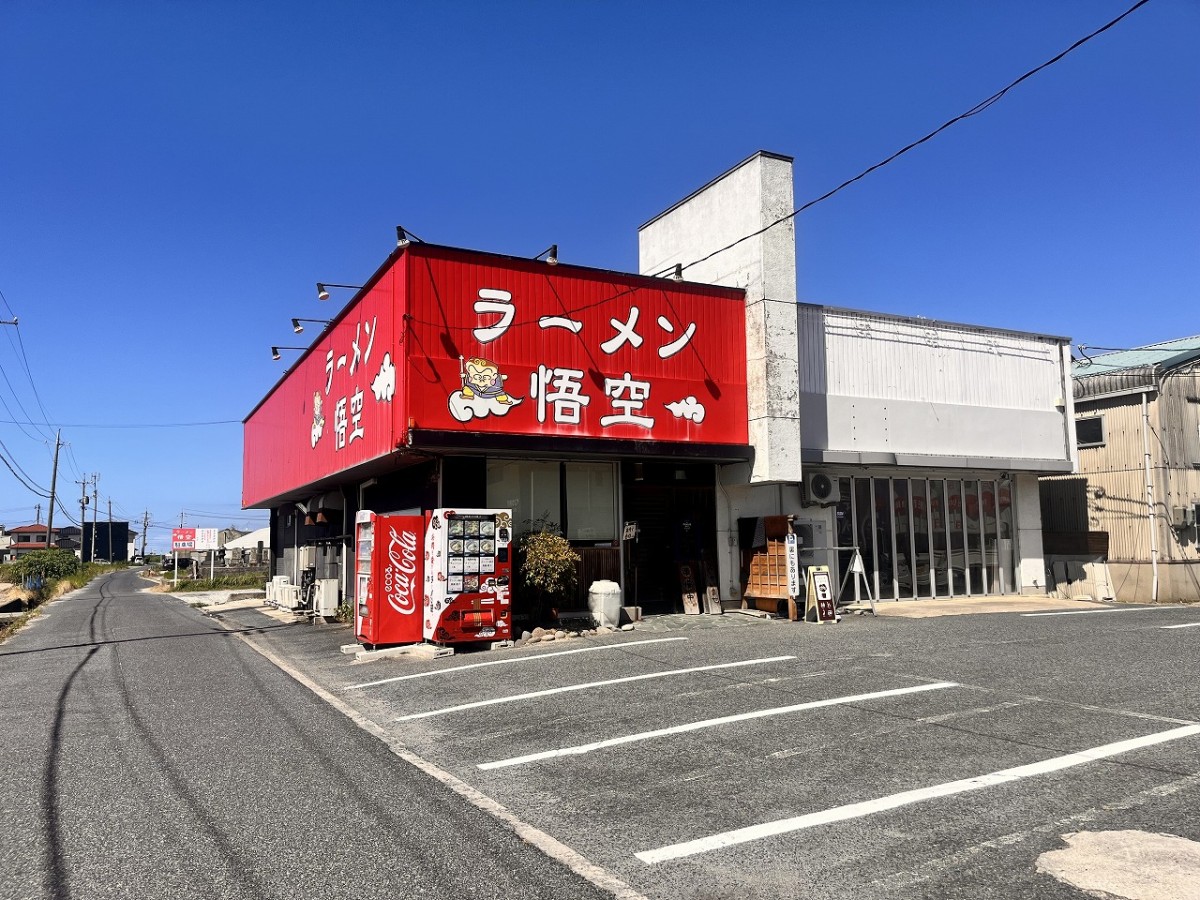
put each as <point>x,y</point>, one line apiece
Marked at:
<point>175,177</point>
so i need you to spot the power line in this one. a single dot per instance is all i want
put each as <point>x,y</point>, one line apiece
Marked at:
<point>133,425</point>
<point>973,111</point>
<point>24,477</point>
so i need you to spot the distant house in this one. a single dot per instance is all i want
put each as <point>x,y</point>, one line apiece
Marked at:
<point>1136,496</point>
<point>27,538</point>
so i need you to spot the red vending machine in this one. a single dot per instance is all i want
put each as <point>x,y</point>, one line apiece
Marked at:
<point>468,574</point>
<point>387,578</point>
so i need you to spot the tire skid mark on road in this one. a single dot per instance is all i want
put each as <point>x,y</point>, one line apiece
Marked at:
<point>573,860</point>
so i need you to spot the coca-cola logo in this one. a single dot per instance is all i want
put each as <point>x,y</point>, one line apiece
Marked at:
<point>400,587</point>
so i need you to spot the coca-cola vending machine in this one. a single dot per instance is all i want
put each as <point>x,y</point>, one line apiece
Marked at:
<point>388,578</point>
<point>468,574</point>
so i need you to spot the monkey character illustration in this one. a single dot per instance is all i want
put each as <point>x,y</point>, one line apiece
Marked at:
<point>481,378</point>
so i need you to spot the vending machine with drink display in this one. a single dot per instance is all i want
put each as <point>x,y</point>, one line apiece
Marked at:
<point>388,579</point>
<point>468,574</point>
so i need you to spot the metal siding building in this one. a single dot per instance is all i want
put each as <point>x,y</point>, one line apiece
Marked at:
<point>1118,438</point>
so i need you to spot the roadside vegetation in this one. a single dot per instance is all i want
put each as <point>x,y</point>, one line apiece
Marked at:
<point>248,580</point>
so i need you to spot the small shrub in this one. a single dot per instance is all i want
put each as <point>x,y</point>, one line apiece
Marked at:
<point>548,563</point>
<point>46,565</point>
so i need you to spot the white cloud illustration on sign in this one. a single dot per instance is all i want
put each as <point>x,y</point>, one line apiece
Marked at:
<point>384,385</point>
<point>688,408</point>
<point>465,408</point>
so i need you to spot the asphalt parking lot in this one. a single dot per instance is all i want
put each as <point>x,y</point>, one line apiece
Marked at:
<point>879,757</point>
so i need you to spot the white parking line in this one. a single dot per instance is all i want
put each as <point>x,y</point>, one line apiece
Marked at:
<point>591,684</point>
<point>518,659</point>
<point>893,801</point>
<point>580,749</point>
<point>1088,612</point>
<point>1188,625</point>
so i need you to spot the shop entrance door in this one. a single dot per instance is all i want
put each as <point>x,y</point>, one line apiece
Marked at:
<point>674,506</point>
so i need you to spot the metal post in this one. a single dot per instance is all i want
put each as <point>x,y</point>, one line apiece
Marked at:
<point>1150,500</point>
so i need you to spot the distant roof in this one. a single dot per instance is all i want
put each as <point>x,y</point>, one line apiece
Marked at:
<point>1162,357</point>
<point>29,529</point>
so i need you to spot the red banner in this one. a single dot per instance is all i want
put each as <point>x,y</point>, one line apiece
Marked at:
<point>453,341</point>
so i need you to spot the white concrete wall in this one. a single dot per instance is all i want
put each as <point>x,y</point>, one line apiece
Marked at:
<point>744,200</point>
<point>875,384</point>
<point>737,499</point>
<point>1032,561</point>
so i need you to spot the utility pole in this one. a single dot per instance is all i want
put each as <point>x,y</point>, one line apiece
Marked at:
<point>109,556</point>
<point>95,509</point>
<point>83,502</point>
<point>145,528</point>
<point>38,519</point>
<point>53,485</point>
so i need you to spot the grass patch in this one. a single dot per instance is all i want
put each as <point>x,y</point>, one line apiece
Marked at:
<point>220,583</point>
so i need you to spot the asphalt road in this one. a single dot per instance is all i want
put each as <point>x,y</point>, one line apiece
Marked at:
<point>151,753</point>
<point>846,761</point>
<point>696,757</point>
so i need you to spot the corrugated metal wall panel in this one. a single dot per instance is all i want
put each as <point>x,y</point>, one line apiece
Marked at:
<point>879,357</point>
<point>1064,503</point>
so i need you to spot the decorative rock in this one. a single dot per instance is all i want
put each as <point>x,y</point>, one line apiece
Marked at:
<point>628,627</point>
<point>525,635</point>
<point>537,633</point>
<point>548,636</point>
<point>560,634</point>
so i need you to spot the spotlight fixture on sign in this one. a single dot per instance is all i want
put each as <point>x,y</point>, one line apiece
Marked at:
<point>275,350</point>
<point>323,293</point>
<point>298,328</point>
<point>404,237</point>
<point>551,254</point>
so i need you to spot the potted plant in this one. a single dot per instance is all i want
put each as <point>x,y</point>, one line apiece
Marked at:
<point>547,571</point>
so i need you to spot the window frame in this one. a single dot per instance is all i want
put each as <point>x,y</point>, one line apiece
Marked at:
<point>1103,432</point>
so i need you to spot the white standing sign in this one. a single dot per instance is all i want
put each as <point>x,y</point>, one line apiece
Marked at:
<point>206,538</point>
<point>793,565</point>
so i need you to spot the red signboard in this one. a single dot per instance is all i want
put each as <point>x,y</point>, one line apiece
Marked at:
<point>452,341</point>
<point>183,538</point>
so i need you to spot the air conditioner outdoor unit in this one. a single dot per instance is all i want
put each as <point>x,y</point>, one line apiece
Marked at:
<point>821,488</point>
<point>287,596</point>
<point>325,597</point>
<point>306,557</point>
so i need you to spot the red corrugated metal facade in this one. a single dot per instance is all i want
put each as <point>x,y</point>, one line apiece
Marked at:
<point>457,341</point>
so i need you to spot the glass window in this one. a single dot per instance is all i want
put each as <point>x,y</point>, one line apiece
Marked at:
<point>903,538</point>
<point>529,489</point>
<point>1004,543</point>
<point>939,555</point>
<point>1089,432</point>
<point>885,540</point>
<point>920,520</point>
<point>591,502</point>
<point>974,556</point>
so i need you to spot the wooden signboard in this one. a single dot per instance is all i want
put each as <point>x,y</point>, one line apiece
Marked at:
<point>712,594</point>
<point>687,586</point>
<point>820,595</point>
<point>765,566</point>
